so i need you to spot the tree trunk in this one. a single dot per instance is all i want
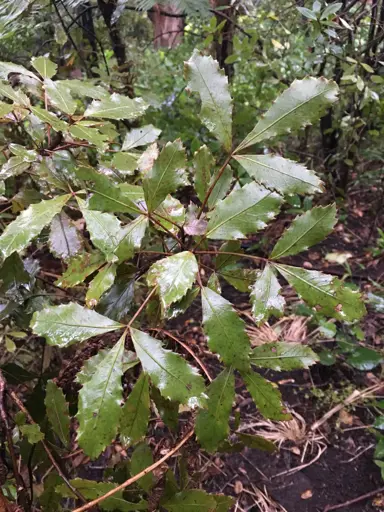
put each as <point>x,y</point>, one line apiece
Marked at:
<point>224,44</point>
<point>168,30</point>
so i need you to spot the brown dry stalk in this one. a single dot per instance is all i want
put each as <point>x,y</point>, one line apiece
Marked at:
<point>141,307</point>
<point>133,479</point>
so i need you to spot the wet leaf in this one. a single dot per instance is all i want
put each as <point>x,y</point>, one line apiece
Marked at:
<point>92,135</point>
<point>170,212</point>
<point>16,96</point>
<point>140,137</point>
<point>169,372</point>
<point>64,239</point>
<point>100,399</point>
<point>83,88</point>
<point>224,260</point>
<point>125,162</point>
<point>168,410</point>
<point>116,107</point>
<point>190,501</point>
<point>281,356</point>
<point>326,357</point>
<point>364,359</point>
<point>203,163</point>
<point>180,307</point>
<point>80,267</point>
<point>240,278</point>
<point>48,117</point>
<point>100,284</point>
<point>45,67</point>
<point>57,411</point>
<point>13,167</point>
<point>117,302</point>
<point>265,296</point>
<point>212,423</point>
<point>135,413</point>
<point>59,96</point>
<point>141,459</point>
<point>221,188</point>
<point>70,323</point>
<point>225,330</point>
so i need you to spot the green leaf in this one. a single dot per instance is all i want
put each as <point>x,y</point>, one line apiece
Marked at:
<point>5,108</point>
<point>116,107</point>
<point>364,359</point>
<point>214,283</point>
<point>17,96</point>
<point>135,414</point>
<point>306,230</point>
<point>331,9</point>
<point>141,459</point>
<point>240,278</point>
<point>304,102</point>
<point>166,175</point>
<point>174,276</point>
<point>168,410</point>
<point>140,137</point>
<point>223,260</point>
<point>9,67</point>
<point>244,211</point>
<point>265,296</point>
<point>70,323</point>
<point>222,186</point>
<point>92,135</point>
<point>282,356</point>
<point>325,293</point>
<point>64,239</point>
<point>172,212</point>
<point>307,13</point>
<point>32,433</point>
<point>83,88</point>
<point>169,372</point>
<point>100,403</point>
<point>125,162</point>
<point>281,174</point>
<point>203,163</point>
<point>80,268</point>
<point>13,167</point>
<point>100,284</point>
<point>225,330</point>
<point>59,96</point>
<point>117,302</point>
<point>130,238</point>
<point>45,67</point>
<point>223,503</point>
<point>50,500</point>
<point>256,442</point>
<point>28,155</point>
<point>48,117</point>
<point>57,411</point>
<point>191,501</point>
<point>326,357</point>
<point>180,307</point>
<point>265,395</point>
<point>212,423</point>
<point>206,78</point>
<point>19,233</point>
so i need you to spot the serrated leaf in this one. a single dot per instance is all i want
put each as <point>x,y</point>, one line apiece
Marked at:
<point>80,268</point>
<point>179,307</point>
<point>191,501</point>
<point>45,67</point>
<point>17,96</point>
<point>147,159</point>
<point>203,163</point>
<point>170,373</point>
<point>92,135</point>
<point>225,330</point>
<point>59,95</point>
<point>222,186</point>
<point>168,410</point>
<point>244,211</point>
<point>141,459</point>
<point>281,174</point>
<point>70,323</point>
<point>28,155</point>
<point>265,296</point>
<point>364,359</point>
<point>325,293</point>
<point>117,302</point>
<point>206,78</point>
<point>306,230</point>
<point>32,433</point>
<point>84,88</point>
<point>212,423</point>
<point>223,260</point>
<point>64,239</point>
<point>135,414</point>
<point>19,233</point>
<point>240,278</point>
<point>214,283</point>
<point>125,162</point>
<point>116,107</point>
<point>281,356</point>
<point>100,399</point>
<point>48,117</point>
<point>301,104</point>
<point>13,167</point>
<point>166,175</point>
<point>174,276</point>
<point>57,411</point>
<point>223,503</point>
<point>100,284</point>
<point>140,137</point>
<point>130,238</point>
<point>266,397</point>
<point>170,212</point>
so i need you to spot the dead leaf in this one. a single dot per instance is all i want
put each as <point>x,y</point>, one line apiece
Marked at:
<point>238,487</point>
<point>346,418</point>
<point>306,495</point>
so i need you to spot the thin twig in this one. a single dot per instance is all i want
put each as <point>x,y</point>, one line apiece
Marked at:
<point>141,307</point>
<point>239,254</point>
<point>209,191</point>
<point>20,405</point>
<point>137,477</point>
<point>165,229</point>
<point>355,500</point>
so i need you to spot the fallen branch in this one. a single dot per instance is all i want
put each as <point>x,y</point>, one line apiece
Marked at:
<point>355,500</point>
<point>136,477</point>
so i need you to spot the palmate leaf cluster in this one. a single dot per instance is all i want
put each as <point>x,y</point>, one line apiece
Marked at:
<point>140,241</point>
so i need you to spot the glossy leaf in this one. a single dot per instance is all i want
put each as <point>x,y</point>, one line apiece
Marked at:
<point>16,96</point>
<point>170,212</point>
<point>100,284</point>
<point>45,67</point>
<point>327,294</point>
<point>281,174</point>
<point>180,307</point>
<point>168,410</point>
<point>70,323</point>
<point>140,137</point>
<point>117,302</point>
<point>60,96</point>
<point>141,459</point>
<point>225,330</point>
<point>100,399</point>
<point>57,411</point>
<point>212,423</point>
<point>116,107</point>
<point>84,88</point>
<point>169,372</point>
<point>206,78</point>
<point>9,67</point>
<point>64,239</point>
<point>304,102</point>
<point>222,186</point>
<point>266,396</point>
<point>240,278</point>
<point>203,163</point>
<point>125,162</point>
<point>135,413</point>
<point>190,501</point>
<point>92,135</point>
<point>166,175</point>
<point>13,167</point>
<point>265,296</point>
<point>223,260</point>
<point>306,230</point>
<point>130,238</point>
<point>79,268</point>
<point>174,276</point>
<point>244,211</point>
<point>281,356</point>
<point>19,233</point>
<point>48,117</point>
<point>5,108</point>
<point>364,359</point>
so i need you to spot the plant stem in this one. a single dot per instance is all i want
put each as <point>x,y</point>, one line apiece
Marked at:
<point>209,192</point>
<point>240,255</point>
<point>141,307</point>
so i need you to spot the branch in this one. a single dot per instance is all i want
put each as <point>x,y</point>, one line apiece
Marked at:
<point>355,500</point>
<point>209,192</point>
<point>134,479</point>
<point>141,307</point>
